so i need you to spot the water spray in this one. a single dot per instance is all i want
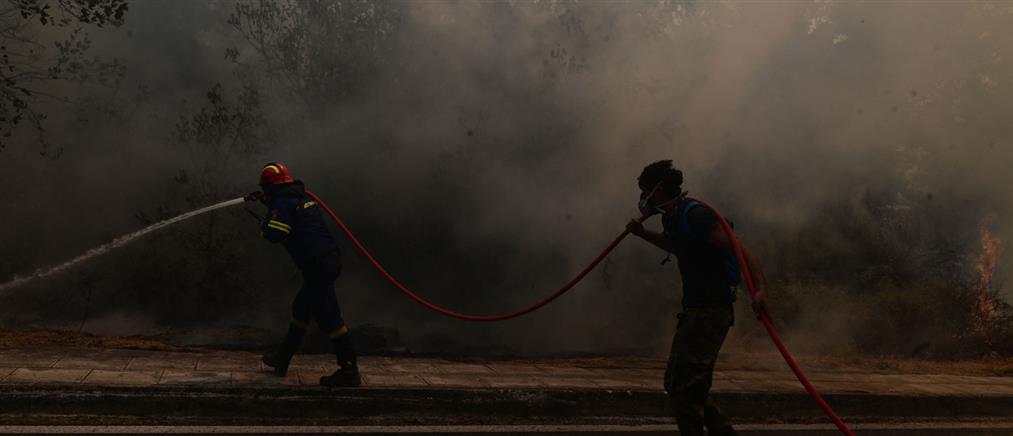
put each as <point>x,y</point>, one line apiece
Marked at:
<point>114,244</point>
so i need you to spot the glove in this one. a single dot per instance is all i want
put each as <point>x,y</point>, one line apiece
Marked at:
<point>254,196</point>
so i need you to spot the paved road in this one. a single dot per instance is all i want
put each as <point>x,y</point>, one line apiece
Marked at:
<point>907,429</point>
<point>140,368</point>
<point>199,391</point>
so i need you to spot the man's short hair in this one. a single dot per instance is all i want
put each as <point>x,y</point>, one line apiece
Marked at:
<point>662,172</point>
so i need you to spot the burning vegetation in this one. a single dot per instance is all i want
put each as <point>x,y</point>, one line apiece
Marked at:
<point>987,291</point>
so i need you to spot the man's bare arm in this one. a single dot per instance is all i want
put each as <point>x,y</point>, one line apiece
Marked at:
<point>657,239</point>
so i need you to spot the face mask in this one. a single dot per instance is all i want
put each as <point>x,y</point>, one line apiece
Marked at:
<point>645,205</point>
<point>648,208</point>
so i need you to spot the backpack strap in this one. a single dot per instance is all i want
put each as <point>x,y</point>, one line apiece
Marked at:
<point>731,262</point>
<point>684,226</point>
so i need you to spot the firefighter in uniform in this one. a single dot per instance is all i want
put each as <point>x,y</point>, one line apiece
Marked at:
<point>296,221</point>
<point>710,274</point>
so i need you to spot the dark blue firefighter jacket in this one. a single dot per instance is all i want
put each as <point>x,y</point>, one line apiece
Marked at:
<point>296,221</point>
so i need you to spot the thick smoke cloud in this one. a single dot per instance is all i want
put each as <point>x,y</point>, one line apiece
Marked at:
<point>492,148</point>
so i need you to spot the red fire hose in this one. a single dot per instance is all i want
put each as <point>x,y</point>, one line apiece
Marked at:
<point>764,317</point>
<point>458,315</point>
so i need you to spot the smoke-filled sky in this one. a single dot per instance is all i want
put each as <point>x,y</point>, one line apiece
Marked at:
<point>488,150</point>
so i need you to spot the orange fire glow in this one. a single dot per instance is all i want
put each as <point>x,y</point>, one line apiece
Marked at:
<point>991,249</point>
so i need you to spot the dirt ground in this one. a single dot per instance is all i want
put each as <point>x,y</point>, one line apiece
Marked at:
<point>769,361</point>
<point>993,366</point>
<point>52,338</point>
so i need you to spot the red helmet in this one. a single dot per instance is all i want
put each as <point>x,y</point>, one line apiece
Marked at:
<point>275,174</point>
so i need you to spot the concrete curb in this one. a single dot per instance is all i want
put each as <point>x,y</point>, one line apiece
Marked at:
<point>303,402</point>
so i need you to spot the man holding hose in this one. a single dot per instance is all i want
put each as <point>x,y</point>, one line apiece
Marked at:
<point>710,274</point>
<point>294,220</point>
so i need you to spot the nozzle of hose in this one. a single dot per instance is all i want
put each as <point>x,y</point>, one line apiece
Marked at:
<point>254,196</point>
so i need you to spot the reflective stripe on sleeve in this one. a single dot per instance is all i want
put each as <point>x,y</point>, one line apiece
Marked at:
<point>280,226</point>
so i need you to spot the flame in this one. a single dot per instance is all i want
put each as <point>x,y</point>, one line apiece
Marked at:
<point>991,249</point>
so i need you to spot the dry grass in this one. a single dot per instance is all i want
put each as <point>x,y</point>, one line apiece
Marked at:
<point>773,362</point>
<point>736,360</point>
<point>52,338</point>
<point>988,366</point>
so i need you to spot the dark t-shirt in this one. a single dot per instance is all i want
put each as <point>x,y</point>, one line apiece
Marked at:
<point>706,281</point>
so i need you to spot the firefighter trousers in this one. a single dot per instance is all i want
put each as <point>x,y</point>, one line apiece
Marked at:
<point>316,301</point>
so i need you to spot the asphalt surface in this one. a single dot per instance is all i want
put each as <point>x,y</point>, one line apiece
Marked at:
<point>86,390</point>
<point>912,429</point>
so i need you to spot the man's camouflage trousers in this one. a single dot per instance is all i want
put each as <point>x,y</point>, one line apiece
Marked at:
<point>690,371</point>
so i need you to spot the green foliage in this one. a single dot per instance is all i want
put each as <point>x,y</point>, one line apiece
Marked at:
<point>31,59</point>
<point>218,137</point>
<point>222,138</point>
<point>321,50</point>
<point>882,275</point>
<point>930,319</point>
<point>67,12</point>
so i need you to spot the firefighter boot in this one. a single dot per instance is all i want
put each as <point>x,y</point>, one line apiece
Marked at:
<point>717,424</point>
<point>278,361</point>
<point>689,426</point>
<point>347,374</point>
